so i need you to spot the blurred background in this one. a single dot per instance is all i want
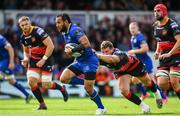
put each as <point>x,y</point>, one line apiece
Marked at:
<point>100,19</point>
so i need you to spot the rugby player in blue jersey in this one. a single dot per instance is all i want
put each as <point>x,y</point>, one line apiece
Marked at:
<point>7,65</point>
<point>86,64</point>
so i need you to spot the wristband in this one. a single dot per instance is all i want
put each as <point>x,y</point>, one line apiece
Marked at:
<point>45,57</point>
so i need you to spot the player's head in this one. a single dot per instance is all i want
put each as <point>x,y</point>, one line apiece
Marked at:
<point>107,47</point>
<point>62,22</point>
<point>24,24</point>
<point>160,11</point>
<point>133,28</point>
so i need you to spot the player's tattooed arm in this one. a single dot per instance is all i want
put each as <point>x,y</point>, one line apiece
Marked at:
<point>109,58</point>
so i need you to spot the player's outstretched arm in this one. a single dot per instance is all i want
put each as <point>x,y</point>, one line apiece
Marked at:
<point>109,58</point>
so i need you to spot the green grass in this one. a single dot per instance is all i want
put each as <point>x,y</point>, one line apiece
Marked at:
<point>85,107</point>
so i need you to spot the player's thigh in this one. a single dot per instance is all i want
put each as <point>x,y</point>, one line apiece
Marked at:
<point>69,73</point>
<point>175,77</point>
<point>162,77</point>
<point>124,84</point>
<point>135,80</point>
<point>33,76</point>
<point>46,78</point>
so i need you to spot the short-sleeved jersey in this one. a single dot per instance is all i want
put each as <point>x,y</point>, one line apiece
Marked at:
<point>35,42</point>
<point>165,35</point>
<point>73,34</point>
<point>136,42</point>
<point>127,65</point>
<point>3,52</point>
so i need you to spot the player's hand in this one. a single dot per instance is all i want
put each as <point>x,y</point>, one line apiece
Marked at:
<point>68,51</point>
<point>156,55</point>
<point>24,62</point>
<point>11,65</point>
<point>167,55</point>
<point>131,52</point>
<point>40,63</point>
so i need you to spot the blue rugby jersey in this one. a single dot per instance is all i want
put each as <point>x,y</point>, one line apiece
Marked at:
<point>3,52</point>
<point>73,34</point>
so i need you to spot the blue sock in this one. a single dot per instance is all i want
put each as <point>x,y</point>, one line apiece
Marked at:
<point>96,98</point>
<point>76,81</point>
<point>21,88</point>
<point>161,92</point>
<point>141,88</point>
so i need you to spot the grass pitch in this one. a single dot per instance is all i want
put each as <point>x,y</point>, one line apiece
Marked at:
<point>85,107</point>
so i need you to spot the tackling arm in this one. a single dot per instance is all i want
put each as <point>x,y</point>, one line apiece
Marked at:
<point>109,58</point>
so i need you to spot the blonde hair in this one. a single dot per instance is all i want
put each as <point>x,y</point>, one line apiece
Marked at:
<point>23,18</point>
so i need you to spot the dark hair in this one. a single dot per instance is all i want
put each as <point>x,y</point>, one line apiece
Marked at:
<point>64,17</point>
<point>106,44</point>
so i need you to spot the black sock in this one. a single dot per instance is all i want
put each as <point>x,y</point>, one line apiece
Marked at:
<point>37,94</point>
<point>178,94</point>
<point>133,98</point>
<point>153,87</point>
<point>56,86</point>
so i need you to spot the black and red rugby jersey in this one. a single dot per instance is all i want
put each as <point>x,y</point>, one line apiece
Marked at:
<point>34,41</point>
<point>165,35</point>
<point>127,62</point>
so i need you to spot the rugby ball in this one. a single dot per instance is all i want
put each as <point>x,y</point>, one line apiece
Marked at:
<point>71,46</point>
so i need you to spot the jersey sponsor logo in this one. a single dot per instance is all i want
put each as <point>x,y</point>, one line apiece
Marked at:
<point>135,40</point>
<point>28,37</point>
<point>174,24</point>
<point>40,31</point>
<point>158,39</point>
<point>160,28</point>
<point>33,39</point>
<point>78,32</point>
<point>164,32</point>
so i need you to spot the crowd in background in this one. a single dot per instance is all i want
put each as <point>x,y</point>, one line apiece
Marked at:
<point>86,4</point>
<point>105,29</point>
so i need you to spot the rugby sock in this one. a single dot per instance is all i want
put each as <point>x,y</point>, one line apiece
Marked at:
<point>57,86</point>
<point>178,93</point>
<point>76,81</point>
<point>161,92</point>
<point>21,88</point>
<point>153,87</point>
<point>141,88</point>
<point>96,98</point>
<point>133,98</point>
<point>36,92</point>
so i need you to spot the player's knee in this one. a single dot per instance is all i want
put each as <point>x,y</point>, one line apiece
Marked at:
<point>89,90</point>
<point>11,81</point>
<point>175,85</point>
<point>163,85</point>
<point>46,85</point>
<point>63,80</point>
<point>32,82</point>
<point>124,91</point>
